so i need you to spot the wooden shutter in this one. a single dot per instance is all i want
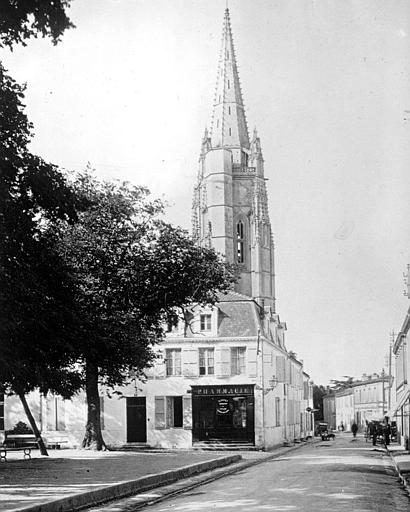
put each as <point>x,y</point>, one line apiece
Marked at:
<point>280,368</point>
<point>187,411</point>
<point>223,363</point>
<point>190,363</point>
<point>159,412</point>
<point>252,363</point>
<point>160,370</point>
<point>60,413</point>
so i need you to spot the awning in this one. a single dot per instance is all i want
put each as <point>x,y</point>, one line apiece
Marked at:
<point>393,410</point>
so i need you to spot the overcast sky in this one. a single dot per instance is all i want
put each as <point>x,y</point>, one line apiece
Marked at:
<point>327,84</point>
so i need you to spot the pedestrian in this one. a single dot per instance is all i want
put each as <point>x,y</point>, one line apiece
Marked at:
<point>342,427</point>
<point>373,432</point>
<point>386,431</point>
<point>354,429</point>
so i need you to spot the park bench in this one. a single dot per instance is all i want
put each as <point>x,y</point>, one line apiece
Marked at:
<point>54,441</point>
<point>18,442</point>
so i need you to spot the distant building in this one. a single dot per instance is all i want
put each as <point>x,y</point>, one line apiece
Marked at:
<point>370,398</point>
<point>344,403</point>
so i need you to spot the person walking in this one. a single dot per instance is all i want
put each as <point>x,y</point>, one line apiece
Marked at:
<point>373,432</point>
<point>386,431</point>
<point>354,429</point>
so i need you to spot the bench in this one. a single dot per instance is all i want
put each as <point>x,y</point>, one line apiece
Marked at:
<point>18,442</point>
<point>54,441</point>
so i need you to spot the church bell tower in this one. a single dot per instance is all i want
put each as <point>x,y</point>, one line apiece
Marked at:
<point>230,206</point>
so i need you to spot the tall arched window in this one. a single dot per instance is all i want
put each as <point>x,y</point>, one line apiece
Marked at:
<point>240,241</point>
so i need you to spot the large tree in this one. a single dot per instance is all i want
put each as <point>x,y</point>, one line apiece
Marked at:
<point>22,19</point>
<point>134,273</point>
<point>36,291</point>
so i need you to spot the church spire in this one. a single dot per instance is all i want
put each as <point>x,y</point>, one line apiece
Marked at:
<point>228,127</point>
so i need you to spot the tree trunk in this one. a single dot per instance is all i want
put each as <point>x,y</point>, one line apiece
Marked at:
<point>33,424</point>
<point>93,439</point>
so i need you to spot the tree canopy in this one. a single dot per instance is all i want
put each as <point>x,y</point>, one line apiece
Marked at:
<point>23,19</point>
<point>134,272</point>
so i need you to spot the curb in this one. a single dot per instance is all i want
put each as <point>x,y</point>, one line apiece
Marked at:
<point>124,489</point>
<point>402,479</point>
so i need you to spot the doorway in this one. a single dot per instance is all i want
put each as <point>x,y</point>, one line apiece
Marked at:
<point>136,420</point>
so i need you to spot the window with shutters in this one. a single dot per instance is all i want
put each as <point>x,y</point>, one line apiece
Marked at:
<point>206,361</point>
<point>238,360</point>
<point>168,412</point>
<point>205,322</point>
<point>173,361</point>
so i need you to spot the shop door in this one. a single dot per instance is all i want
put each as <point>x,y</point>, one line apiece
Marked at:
<point>136,420</point>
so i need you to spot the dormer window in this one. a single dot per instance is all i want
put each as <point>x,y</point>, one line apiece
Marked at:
<point>240,241</point>
<point>205,322</point>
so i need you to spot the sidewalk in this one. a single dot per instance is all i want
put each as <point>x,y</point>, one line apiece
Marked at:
<point>401,460</point>
<point>70,479</point>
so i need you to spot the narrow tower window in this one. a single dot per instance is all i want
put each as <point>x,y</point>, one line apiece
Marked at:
<point>229,84</point>
<point>229,110</point>
<point>217,123</point>
<point>230,131</point>
<point>240,241</point>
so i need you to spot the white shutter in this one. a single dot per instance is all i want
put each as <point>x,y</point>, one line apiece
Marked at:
<point>160,368</point>
<point>159,412</point>
<point>190,363</point>
<point>223,362</point>
<point>251,363</point>
<point>280,368</point>
<point>187,411</point>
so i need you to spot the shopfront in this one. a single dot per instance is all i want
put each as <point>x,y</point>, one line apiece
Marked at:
<point>223,413</point>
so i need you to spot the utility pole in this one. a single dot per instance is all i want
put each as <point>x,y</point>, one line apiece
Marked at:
<point>384,393</point>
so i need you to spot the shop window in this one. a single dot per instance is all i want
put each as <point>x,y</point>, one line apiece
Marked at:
<point>173,361</point>
<point>240,241</point>
<point>238,360</point>
<point>205,322</point>
<point>1,411</point>
<point>168,412</point>
<point>206,361</point>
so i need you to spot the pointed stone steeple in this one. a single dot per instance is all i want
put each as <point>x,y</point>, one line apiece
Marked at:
<point>230,204</point>
<point>228,126</point>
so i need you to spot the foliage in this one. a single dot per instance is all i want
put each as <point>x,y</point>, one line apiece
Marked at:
<point>20,428</point>
<point>37,314</point>
<point>134,272</point>
<point>344,383</point>
<point>318,392</point>
<point>23,19</point>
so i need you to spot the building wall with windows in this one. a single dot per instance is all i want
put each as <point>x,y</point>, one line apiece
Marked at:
<point>370,399</point>
<point>344,401</point>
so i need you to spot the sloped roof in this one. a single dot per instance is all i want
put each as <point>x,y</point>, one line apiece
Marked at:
<point>232,296</point>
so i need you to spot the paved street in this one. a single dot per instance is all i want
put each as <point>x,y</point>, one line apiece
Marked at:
<point>344,475</point>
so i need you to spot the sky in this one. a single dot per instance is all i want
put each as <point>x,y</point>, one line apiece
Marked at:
<point>326,83</point>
